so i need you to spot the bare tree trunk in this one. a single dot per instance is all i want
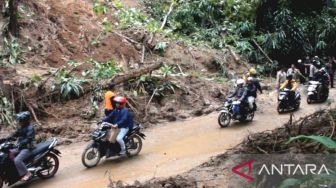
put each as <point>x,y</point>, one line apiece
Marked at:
<point>13,21</point>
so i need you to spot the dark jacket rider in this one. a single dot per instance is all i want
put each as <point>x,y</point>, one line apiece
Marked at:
<point>25,135</point>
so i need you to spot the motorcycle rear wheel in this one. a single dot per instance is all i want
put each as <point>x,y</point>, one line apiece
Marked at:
<point>137,142</point>
<point>309,100</point>
<point>52,162</point>
<point>90,153</point>
<point>224,119</point>
<point>250,116</point>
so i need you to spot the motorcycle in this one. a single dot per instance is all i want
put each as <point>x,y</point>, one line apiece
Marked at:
<point>234,109</point>
<point>284,103</point>
<point>314,94</point>
<point>43,161</point>
<point>99,145</point>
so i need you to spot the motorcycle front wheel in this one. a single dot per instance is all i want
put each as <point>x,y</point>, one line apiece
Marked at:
<point>224,119</point>
<point>49,164</point>
<point>250,116</point>
<point>91,156</point>
<point>309,100</point>
<point>1,182</point>
<point>134,145</point>
<point>279,109</point>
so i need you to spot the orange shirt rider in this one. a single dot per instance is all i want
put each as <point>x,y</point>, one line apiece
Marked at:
<point>109,96</point>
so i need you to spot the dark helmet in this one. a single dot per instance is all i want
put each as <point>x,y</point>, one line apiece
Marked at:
<point>111,85</point>
<point>289,77</point>
<point>23,116</point>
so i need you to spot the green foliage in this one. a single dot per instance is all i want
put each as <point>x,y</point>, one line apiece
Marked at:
<point>166,70</point>
<point>12,50</point>
<point>160,47</point>
<point>96,40</point>
<point>107,25</point>
<point>71,86</point>
<point>326,141</point>
<point>68,85</point>
<point>149,85</point>
<point>315,180</point>
<point>290,182</point>
<point>99,8</point>
<point>6,112</point>
<point>36,80</point>
<point>102,70</point>
<point>131,17</point>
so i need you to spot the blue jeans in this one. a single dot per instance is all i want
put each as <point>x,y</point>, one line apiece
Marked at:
<point>20,157</point>
<point>120,138</point>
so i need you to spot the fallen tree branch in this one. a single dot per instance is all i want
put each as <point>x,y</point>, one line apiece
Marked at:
<point>262,51</point>
<point>234,55</point>
<point>136,73</point>
<point>150,100</point>
<point>167,15</point>
<point>127,38</point>
<point>34,115</point>
<point>143,54</point>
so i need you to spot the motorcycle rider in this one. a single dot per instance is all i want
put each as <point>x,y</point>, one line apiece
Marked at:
<point>251,93</point>
<point>253,73</point>
<point>109,102</point>
<point>25,135</point>
<point>240,92</point>
<point>121,118</point>
<point>323,77</point>
<point>290,84</point>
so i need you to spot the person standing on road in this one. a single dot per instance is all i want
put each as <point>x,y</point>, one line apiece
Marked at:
<point>331,67</point>
<point>109,102</point>
<point>312,70</point>
<point>307,62</point>
<point>281,77</point>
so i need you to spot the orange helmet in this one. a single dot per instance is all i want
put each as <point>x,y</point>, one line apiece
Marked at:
<point>120,99</point>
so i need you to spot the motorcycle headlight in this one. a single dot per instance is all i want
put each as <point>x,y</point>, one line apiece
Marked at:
<point>311,89</point>
<point>281,97</point>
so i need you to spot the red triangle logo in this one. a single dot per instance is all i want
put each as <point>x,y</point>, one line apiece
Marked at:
<point>242,165</point>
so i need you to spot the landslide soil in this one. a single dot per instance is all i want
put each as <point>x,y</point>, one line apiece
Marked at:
<point>54,32</point>
<point>175,148</point>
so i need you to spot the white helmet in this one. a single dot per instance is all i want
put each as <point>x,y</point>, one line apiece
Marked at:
<point>250,78</point>
<point>240,82</point>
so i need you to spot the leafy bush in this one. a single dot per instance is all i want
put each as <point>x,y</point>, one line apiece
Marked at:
<point>99,8</point>
<point>160,47</point>
<point>131,17</point>
<point>6,112</point>
<point>71,87</point>
<point>102,70</point>
<point>68,85</point>
<point>12,50</point>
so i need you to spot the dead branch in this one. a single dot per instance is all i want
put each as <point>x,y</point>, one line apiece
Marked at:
<point>34,115</point>
<point>332,124</point>
<point>234,55</point>
<point>263,151</point>
<point>150,100</point>
<point>127,38</point>
<point>143,54</point>
<point>136,73</point>
<point>167,15</point>
<point>262,51</point>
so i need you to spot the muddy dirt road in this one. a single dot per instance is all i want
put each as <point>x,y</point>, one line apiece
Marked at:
<point>169,149</point>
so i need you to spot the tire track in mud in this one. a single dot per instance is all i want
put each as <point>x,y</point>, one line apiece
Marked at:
<point>170,149</point>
